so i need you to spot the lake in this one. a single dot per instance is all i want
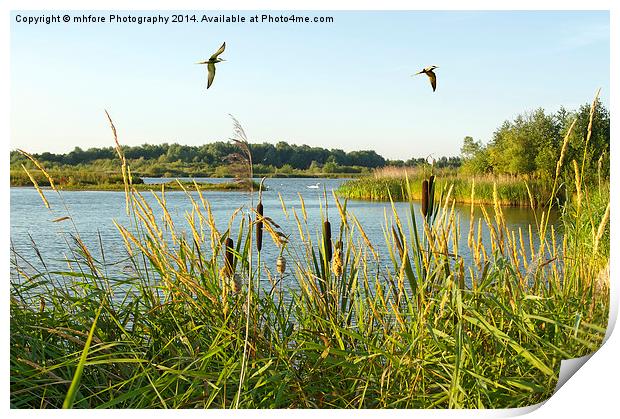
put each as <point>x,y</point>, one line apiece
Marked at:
<point>93,213</point>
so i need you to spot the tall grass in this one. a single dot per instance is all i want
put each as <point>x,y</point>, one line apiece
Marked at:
<point>190,327</point>
<point>400,184</point>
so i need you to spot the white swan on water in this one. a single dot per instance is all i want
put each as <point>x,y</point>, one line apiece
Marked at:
<point>313,186</point>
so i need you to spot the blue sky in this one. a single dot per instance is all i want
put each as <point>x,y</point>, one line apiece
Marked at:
<point>342,85</point>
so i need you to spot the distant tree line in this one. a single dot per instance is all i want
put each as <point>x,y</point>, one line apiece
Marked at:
<point>215,154</point>
<point>531,145</point>
<point>158,158</point>
<point>441,162</point>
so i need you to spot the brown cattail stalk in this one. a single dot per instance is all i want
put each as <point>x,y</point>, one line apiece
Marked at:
<point>431,192</point>
<point>425,197</point>
<point>259,227</point>
<point>327,240</point>
<point>229,257</point>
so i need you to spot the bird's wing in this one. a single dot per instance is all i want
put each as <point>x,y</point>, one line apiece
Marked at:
<point>433,79</point>
<point>218,52</point>
<point>211,70</point>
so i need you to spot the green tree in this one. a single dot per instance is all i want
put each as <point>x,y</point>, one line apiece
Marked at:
<point>474,157</point>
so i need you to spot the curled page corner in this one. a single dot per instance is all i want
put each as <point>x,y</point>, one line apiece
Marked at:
<point>518,411</point>
<point>568,367</point>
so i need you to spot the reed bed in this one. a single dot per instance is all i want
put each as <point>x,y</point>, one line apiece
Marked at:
<point>99,181</point>
<point>338,326</point>
<point>400,184</point>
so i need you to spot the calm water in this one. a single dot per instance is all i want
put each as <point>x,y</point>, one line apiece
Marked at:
<point>93,213</point>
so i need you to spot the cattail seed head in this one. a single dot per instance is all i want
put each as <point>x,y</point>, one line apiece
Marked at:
<point>229,257</point>
<point>431,192</point>
<point>259,227</point>
<point>281,264</point>
<point>425,197</point>
<point>337,263</point>
<point>327,240</point>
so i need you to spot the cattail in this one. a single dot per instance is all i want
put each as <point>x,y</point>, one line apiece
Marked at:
<point>431,192</point>
<point>281,264</point>
<point>431,183</point>
<point>337,264</point>
<point>259,227</point>
<point>425,197</point>
<point>42,305</point>
<point>228,257</point>
<point>327,240</point>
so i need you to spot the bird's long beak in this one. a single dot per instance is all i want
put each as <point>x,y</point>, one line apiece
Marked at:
<point>202,62</point>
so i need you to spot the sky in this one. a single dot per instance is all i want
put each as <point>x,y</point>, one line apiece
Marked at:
<point>345,84</point>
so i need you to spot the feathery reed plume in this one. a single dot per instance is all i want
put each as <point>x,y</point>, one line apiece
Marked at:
<point>40,167</point>
<point>241,163</point>
<point>558,165</point>
<point>425,197</point>
<point>589,135</point>
<point>36,186</point>
<point>601,229</point>
<point>127,180</point>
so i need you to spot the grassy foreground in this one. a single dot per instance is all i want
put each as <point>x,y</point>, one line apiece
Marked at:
<point>190,327</point>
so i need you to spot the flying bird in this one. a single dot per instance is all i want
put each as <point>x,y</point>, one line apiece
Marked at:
<point>211,64</point>
<point>429,72</point>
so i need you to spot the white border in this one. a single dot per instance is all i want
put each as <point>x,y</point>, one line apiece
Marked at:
<point>592,392</point>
